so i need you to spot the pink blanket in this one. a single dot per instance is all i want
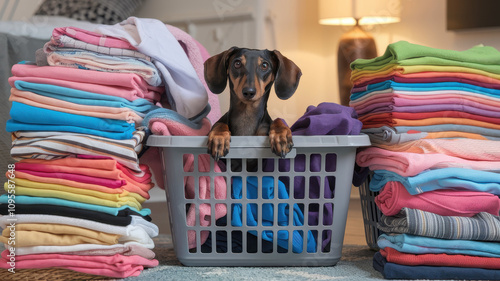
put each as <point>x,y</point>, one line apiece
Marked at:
<point>126,85</point>
<point>469,149</point>
<point>394,197</point>
<point>410,164</point>
<point>92,37</point>
<point>205,213</point>
<point>169,127</point>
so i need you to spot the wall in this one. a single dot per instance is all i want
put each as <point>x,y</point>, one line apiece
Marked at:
<point>17,9</point>
<point>291,26</point>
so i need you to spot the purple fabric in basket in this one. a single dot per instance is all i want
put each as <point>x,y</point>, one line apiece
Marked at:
<point>327,119</point>
<point>324,119</point>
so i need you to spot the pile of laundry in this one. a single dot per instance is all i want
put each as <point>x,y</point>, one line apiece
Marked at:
<point>79,119</point>
<point>433,119</point>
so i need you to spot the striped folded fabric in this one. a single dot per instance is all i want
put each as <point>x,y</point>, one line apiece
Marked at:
<point>55,145</point>
<point>482,226</point>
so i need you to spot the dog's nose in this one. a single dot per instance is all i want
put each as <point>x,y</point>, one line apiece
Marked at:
<point>249,92</point>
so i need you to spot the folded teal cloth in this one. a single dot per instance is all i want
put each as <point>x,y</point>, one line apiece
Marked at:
<point>30,118</point>
<point>406,243</point>
<point>446,178</point>
<point>30,200</point>
<point>140,106</point>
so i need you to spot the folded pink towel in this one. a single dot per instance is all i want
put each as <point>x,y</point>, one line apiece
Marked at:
<point>117,91</point>
<point>394,196</point>
<point>140,89</point>
<point>167,127</point>
<point>130,250</point>
<point>410,164</point>
<point>91,37</point>
<point>117,266</point>
<point>470,149</point>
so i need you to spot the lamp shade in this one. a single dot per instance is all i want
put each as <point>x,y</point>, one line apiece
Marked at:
<point>366,12</point>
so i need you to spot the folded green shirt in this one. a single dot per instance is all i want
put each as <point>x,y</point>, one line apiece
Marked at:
<point>404,53</point>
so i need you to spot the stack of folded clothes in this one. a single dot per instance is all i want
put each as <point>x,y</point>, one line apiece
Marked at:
<point>432,117</point>
<point>79,118</point>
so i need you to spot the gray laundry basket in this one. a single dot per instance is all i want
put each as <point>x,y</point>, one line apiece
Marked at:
<point>371,214</point>
<point>299,223</point>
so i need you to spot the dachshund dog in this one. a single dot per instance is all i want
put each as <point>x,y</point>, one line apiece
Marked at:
<point>251,74</point>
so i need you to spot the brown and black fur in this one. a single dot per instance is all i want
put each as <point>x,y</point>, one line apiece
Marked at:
<point>251,74</point>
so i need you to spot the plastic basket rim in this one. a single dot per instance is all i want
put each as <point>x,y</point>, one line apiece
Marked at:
<point>261,141</point>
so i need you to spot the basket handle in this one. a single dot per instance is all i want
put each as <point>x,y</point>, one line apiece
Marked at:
<point>255,152</point>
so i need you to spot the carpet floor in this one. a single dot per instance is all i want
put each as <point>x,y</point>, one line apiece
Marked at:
<point>355,264</point>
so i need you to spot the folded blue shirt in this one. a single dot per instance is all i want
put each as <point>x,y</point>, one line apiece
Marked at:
<point>419,87</point>
<point>31,200</point>
<point>30,118</point>
<point>13,126</point>
<point>83,97</point>
<point>413,244</point>
<point>267,215</point>
<point>487,132</point>
<point>446,178</point>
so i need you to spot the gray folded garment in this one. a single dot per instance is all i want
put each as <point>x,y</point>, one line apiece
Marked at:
<point>482,226</point>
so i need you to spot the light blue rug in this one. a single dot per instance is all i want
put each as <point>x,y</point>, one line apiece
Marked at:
<point>355,264</point>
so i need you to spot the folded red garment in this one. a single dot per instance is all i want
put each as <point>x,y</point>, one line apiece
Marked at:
<point>394,256</point>
<point>430,77</point>
<point>394,196</point>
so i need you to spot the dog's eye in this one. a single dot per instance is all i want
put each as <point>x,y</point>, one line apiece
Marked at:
<point>237,64</point>
<point>264,66</point>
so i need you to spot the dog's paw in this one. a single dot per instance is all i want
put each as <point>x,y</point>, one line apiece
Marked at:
<point>218,143</point>
<point>280,137</point>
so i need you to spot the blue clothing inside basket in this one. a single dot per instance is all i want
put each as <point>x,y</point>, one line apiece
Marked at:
<point>267,215</point>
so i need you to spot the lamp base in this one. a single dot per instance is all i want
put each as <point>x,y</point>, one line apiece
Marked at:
<point>354,44</point>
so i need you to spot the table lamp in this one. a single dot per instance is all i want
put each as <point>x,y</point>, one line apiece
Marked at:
<point>355,43</point>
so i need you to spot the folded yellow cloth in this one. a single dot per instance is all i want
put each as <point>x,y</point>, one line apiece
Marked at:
<point>36,234</point>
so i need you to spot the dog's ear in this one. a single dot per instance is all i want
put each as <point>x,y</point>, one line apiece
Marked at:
<point>216,71</point>
<point>287,76</point>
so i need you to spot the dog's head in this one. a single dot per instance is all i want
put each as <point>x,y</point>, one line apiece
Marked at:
<point>251,73</point>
